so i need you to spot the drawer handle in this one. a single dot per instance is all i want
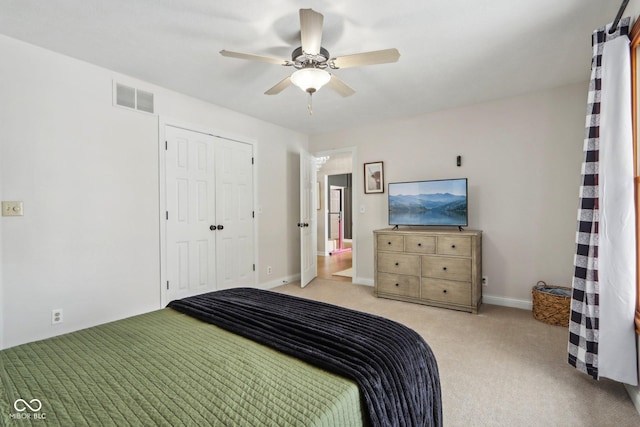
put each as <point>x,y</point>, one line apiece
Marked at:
<point>445,291</point>
<point>419,244</point>
<point>397,264</point>
<point>453,246</point>
<point>444,268</point>
<point>397,284</point>
<point>388,243</point>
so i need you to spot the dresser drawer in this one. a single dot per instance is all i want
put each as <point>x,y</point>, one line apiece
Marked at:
<point>399,263</point>
<point>454,245</point>
<point>440,267</point>
<point>390,243</point>
<point>399,284</point>
<point>446,291</point>
<point>420,244</point>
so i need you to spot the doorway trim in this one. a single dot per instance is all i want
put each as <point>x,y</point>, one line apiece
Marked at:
<point>356,182</point>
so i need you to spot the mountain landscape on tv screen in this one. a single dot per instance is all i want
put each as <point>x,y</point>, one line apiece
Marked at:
<point>421,203</point>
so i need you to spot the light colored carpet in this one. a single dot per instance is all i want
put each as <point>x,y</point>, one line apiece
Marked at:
<point>344,273</point>
<point>500,367</point>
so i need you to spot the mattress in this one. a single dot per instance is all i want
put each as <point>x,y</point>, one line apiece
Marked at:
<point>168,369</point>
<point>394,367</point>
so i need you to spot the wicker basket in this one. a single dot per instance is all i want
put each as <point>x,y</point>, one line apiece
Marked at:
<point>551,308</point>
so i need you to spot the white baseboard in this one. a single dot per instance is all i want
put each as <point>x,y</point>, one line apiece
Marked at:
<point>278,282</point>
<point>486,299</point>
<point>296,277</point>
<point>363,281</point>
<point>507,302</point>
<point>634,394</point>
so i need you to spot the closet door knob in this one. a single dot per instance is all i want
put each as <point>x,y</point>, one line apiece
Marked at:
<point>212,227</point>
<point>220,227</point>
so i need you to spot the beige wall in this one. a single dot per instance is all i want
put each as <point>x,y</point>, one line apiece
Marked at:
<point>88,174</point>
<point>522,157</point>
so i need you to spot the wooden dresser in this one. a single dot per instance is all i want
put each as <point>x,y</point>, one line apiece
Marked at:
<point>442,268</point>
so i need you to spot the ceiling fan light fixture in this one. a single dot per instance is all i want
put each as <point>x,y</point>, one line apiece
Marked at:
<point>310,79</point>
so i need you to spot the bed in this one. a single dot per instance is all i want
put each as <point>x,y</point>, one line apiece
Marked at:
<point>204,361</point>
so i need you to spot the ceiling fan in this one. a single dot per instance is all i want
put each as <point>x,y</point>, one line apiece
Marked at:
<point>311,60</point>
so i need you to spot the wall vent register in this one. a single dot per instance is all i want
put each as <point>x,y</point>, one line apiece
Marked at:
<point>130,97</point>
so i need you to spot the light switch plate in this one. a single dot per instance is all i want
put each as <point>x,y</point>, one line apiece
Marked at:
<point>12,209</point>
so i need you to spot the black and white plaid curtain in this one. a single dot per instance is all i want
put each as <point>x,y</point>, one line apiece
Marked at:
<point>585,328</point>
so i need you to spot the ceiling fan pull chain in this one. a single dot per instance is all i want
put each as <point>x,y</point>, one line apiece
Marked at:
<point>310,105</point>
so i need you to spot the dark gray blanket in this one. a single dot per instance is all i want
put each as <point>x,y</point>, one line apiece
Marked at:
<point>394,367</point>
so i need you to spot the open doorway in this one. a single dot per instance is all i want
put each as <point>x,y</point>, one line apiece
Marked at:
<point>335,220</point>
<point>339,220</point>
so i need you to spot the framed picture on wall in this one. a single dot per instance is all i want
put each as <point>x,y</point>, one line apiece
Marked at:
<point>373,178</point>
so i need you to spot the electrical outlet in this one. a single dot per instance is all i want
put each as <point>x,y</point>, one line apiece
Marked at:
<point>269,270</point>
<point>56,316</point>
<point>485,281</point>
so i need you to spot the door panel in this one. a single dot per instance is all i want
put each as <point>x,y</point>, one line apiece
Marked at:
<point>182,200</point>
<point>234,190</point>
<point>190,211</point>
<point>308,219</point>
<point>203,261</point>
<point>182,265</point>
<point>202,201</point>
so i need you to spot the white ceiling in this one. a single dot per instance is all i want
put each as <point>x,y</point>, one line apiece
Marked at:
<point>453,52</point>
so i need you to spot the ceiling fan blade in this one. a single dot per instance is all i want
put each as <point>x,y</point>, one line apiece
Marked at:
<point>367,58</point>
<point>340,87</point>
<point>251,57</point>
<point>311,31</point>
<point>279,87</point>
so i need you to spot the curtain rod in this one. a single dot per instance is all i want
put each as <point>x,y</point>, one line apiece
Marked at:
<point>614,26</point>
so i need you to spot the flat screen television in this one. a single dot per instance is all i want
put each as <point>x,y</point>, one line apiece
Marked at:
<point>435,202</point>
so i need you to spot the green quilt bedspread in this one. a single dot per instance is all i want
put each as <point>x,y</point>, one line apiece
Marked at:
<point>166,368</point>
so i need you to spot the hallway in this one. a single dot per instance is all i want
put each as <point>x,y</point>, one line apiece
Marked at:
<point>328,265</point>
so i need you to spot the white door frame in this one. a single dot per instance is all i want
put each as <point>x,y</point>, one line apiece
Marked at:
<point>341,189</point>
<point>356,181</point>
<point>162,202</point>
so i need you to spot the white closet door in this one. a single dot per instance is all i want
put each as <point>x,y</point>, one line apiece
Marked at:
<point>234,213</point>
<point>190,205</point>
<point>209,213</point>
